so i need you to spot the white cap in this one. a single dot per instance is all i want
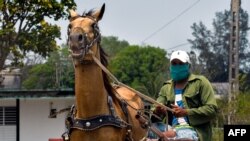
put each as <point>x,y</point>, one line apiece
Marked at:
<point>180,55</point>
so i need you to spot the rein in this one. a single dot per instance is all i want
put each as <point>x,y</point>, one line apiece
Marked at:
<point>122,84</point>
<point>98,121</point>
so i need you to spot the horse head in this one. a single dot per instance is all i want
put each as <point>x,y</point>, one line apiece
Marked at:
<point>84,34</point>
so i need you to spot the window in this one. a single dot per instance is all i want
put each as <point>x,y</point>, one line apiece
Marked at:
<point>7,116</point>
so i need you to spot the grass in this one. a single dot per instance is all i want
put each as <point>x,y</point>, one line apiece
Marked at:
<point>218,134</point>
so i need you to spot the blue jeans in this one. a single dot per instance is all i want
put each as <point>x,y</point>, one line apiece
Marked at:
<point>187,132</point>
<point>159,125</point>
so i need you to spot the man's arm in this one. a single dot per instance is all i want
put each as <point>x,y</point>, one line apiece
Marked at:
<point>207,111</point>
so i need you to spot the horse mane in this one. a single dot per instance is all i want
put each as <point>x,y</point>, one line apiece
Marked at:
<point>89,13</point>
<point>104,61</point>
<point>107,83</point>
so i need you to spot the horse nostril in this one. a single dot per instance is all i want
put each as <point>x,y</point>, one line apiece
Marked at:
<point>76,38</point>
<point>80,37</point>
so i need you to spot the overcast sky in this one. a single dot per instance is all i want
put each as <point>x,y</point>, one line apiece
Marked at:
<point>161,23</point>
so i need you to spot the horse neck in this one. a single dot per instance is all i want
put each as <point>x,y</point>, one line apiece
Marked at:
<point>90,92</point>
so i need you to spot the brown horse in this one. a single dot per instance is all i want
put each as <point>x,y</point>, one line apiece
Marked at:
<point>103,112</point>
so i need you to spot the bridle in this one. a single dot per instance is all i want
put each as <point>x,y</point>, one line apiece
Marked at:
<point>86,44</point>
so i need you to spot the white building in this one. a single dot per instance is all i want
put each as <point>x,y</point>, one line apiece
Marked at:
<point>24,115</point>
<point>221,89</point>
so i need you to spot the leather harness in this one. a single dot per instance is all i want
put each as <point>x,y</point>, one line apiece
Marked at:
<point>98,121</point>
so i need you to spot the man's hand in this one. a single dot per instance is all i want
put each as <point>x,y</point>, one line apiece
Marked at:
<point>160,111</point>
<point>178,111</point>
<point>170,133</point>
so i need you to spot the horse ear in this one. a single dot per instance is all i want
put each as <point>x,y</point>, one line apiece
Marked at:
<point>72,13</point>
<point>98,14</point>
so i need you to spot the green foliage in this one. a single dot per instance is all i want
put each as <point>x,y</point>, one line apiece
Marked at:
<point>213,46</point>
<point>242,115</point>
<point>57,72</point>
<point>24,27</point>
<point>40,77</point>
<point>112,45</point>
<point>239,107</point>
<point>244,80</point>
<point>218,134</point>
<point>222,115</point>
<point>142,68</point>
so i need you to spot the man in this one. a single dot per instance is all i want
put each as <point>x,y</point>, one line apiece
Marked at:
<point>190,96</point>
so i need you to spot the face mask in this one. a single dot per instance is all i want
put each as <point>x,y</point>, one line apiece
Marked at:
<point>179,72</point>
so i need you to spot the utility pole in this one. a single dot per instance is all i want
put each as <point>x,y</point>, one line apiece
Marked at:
<point>233,58</point>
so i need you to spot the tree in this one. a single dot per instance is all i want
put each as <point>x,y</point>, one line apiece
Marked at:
<point>244,80</point>
<point>56,72</point>
<point>24,27</point>
<point>143,68</point>
<point>112,45</point>
<point>213,46</point>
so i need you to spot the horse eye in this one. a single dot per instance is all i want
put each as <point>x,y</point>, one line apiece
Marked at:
<point>93,25</point>
<point>69,26</point>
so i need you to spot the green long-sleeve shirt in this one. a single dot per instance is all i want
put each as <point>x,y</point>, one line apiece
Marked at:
<point>199,100</point>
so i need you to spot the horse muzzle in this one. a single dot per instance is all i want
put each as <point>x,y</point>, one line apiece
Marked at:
<point>78,45</point>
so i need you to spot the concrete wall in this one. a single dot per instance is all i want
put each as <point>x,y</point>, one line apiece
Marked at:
<point>34,121</point>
